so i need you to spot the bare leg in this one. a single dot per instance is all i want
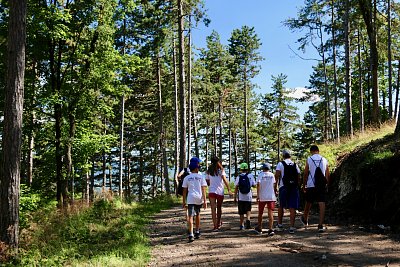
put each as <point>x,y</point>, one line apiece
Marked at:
<point>198,222</point>
<point>241,219</point>
<point>270,218</point>
<point>280,215</point>
<point>307,208</point>
<point>219,212</point>
<point>321,212</point>
<point>260,218</point>
<point>213,215</point>
<point>190,224</point>
<point>292,216</point>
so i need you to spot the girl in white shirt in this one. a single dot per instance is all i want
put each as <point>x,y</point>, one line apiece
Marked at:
<point>266,197</point>
<point>216,178</point>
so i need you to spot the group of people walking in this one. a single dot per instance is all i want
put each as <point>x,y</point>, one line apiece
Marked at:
<point>284,185</point>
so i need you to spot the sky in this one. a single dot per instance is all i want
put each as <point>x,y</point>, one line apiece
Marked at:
<point>266,16</point>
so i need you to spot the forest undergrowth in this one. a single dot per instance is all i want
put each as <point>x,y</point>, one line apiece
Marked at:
<point>107,233</point>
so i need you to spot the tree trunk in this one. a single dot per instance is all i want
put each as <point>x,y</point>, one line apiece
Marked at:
<point>91,188</point>
<point>246,124</point>
<point>121,145</point>
<point>110,175</point>
<point>235,152</point>
<point>141,174</point>
<point>230,149</point>
<point>103,187</point>
<point>176,116</point>
<point>195,134</point>
<point>162,140</point>
<point>367,10</point>
<point>360,87</point>
<point>389,22</point>
<point>189,78</point>
<point>335,88</point>
<point>207,141</point>
<point>349,114</point>
<point>182,96</point>
<point>220,127</point>
<point>128,171</point>
<point>12,131</point>
<point>396,112</point>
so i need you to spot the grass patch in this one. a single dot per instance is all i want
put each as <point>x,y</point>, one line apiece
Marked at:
<point>331,151</point>
<point>109,233</point>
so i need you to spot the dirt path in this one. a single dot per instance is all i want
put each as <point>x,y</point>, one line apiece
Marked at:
<point>338,246</point>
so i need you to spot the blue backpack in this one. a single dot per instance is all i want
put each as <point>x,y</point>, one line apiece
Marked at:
<point>244,183</point>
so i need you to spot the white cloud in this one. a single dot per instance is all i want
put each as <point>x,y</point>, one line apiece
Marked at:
<point>300,92</point>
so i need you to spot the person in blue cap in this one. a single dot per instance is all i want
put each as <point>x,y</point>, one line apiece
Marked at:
<point>266,196</point>
<point>194,197</point>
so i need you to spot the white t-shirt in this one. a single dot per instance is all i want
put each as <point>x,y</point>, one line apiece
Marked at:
<point>216,183</point>
<point>281,168</point>
<point>313,166</point>
<point>194,182</point>
<point>266,181</point>
<point>248,196</point>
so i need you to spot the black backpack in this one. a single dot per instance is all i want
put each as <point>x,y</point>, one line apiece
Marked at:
<point>179,190</point>
<point>244,183</point>
<point>319,178</point>
<point>290,175</point>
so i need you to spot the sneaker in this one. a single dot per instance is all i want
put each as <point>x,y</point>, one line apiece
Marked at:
<point>241,227</point>
<point>271,232</point>
<point>291,230</point>
<point>197,235</point>
<point>321,228</point>
<point>248,225</point>
<point>258,230</point>
<point>279,227</point>
<point>303,221</point>
<point>220,225</point>
<point>191,238</point>
<point>215,229</point>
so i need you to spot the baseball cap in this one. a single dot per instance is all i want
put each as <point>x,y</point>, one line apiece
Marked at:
<point>244,166</point>
<point>195,160</point>
<point>266,166</point>
<point>193,165</point>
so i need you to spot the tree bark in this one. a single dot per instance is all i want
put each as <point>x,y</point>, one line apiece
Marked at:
<point>335,88</point>
<point>12,132</point>
<point>389,22</point>
<point>396,112</point>
<point>189,89</point>
<point>182,95</point>
<point>349,113</point>
<point>176,116</point>
<point>368,14</point>
<point>360,87</point>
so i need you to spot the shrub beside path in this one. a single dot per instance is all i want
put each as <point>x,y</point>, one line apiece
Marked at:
<point>340,245</point>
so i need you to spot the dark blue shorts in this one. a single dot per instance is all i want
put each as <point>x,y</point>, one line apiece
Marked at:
<point>193,209</point>
<point>289,199</point>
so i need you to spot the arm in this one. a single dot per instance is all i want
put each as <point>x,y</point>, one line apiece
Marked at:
<point>226,184</point>
<point>235,193</point>
<point>305,176</point>
<point>203,188</point>
<point>185,190</point>
<point>277,177</point>
<point>258,192</point>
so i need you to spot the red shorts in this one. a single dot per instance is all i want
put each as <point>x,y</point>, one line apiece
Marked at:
<point>216,196</point>
<point>261,205</point>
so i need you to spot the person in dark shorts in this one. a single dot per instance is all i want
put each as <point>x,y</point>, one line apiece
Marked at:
<point>313,193</point>
<point>194,196</point>
<point>243,184</point>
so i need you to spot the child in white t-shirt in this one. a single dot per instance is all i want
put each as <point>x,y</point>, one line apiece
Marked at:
<point>266,196</point>
<point>194,195</point>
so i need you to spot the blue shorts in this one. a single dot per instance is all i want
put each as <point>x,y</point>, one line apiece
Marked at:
<point>289,199</point>
<point>193,209</point>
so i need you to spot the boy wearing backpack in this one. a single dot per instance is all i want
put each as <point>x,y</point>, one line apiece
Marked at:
<point>315,181</point>
<point>243,184</point>
<point>287,176</point>
<point>194,197</point>
<point>266,197</point>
